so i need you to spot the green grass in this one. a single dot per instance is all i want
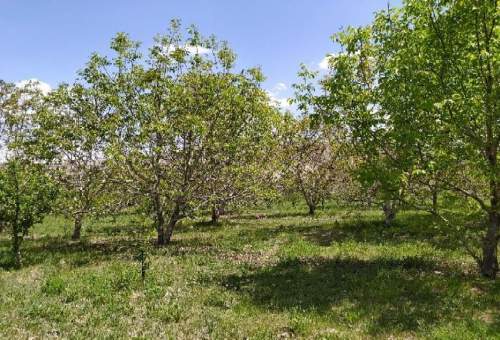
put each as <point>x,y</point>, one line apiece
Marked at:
<point>266,274</point>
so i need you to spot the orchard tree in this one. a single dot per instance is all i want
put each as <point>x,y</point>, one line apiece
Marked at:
<point>312,161</point>
<point>351,101</point>
<point>26,192</point>
<point>26,196</point>
<point>179,117</point>
<point>421,84</point>
<point>445,55</point>
<point>317,160</point>
<point>243,133</point>
<point>72,132</point>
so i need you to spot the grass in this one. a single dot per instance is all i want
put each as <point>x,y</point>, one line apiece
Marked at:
<point>265,274</point>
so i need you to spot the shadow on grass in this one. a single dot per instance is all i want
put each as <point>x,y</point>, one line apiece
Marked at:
<point>204,225</point>
<point>191,246</point>
<point>408,228</point>
<point>272,215</point>
<point>207,224</point>
<point>116,230</point>
<point>389,295</point>
<point>75,253</point>
<point>56,250</point>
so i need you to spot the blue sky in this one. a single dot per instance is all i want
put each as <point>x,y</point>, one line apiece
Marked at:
<point>51,39</point>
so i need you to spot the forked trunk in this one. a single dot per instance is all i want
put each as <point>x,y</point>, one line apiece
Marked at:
<point>174,218</point>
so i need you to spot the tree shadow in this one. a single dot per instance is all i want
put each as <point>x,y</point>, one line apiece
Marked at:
<point>57,250</point>
<point>207,225</point>
<point>117,229</point>
<point>262,234</point>
<point>389,295</point>
<point>87,251</point>
<point>267,215</point>
<point>409,230</point>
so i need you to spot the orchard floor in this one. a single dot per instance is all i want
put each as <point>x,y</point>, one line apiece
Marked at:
<point>258,275</point>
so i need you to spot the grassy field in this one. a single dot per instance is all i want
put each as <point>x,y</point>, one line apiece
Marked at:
<point>260,275</point>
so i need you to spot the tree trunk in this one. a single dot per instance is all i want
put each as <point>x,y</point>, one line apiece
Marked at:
<point>389,213</point>
<point>489,262</point>
<point>16,247</point>
<point>16,238</point>
<point>160,229</point>
<point>170,229</point>
<point>222,209</point>
<point>312,209</point>
<point>159,220</point>
<point>215,214</point>
<point>174,218</point>
<point>434,201</point>
<point>77,228</point>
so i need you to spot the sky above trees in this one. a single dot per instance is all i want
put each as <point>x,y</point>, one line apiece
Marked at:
<point>50,40</point>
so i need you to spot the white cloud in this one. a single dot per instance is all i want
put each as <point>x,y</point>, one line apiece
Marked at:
<point>197,49</point>
<point>282,102</point>
<point>276,96</point>
<point>278,88</point>
<point>325,62</point>
<point>191,49</point>
<point>42,86</point>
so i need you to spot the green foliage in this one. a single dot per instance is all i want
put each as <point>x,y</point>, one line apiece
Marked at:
<point>72,138</point>
<point>26,196</point>
<point>26,192</point>
<point>417,90</point>
<point>186,133</point>
<point>313,164</point>
<point>409,108</point>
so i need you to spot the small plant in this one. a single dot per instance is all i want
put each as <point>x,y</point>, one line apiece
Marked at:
<point>54,286</point>
<point>142,258</point>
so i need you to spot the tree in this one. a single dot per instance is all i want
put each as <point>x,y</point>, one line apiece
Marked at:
<point>243,134</point>
<point>25,198</point>
<point>72,130</point>
<point>422,83</point>
<point>181,119</point>
<point>26,192</point>
<point>312,161</point>
<point>459,80</point>
<point>352,101</point>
